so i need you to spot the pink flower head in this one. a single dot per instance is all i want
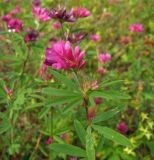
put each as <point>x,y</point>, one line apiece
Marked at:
<point>91,112</point>
<point>95,37</point>
<point>76,37</point>
<point>49,141</point>
<point>8,16</point>
<point>101,70</point>
<point>122,127</point>
<point>15,24</point>
<point>15,11</point>
<point>41,14</point>
<point>98,100</point>
<point>104,58</point>
<point>36,3</point>
<point>8,91</point>
<point>61,56</point>
<point>56,25</point>
<point>80,12</point>
<point>136,28</point>
<point>31,35</point>
<point>62,15</point>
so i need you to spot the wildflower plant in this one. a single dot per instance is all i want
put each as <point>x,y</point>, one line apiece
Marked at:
<point>58,95</point>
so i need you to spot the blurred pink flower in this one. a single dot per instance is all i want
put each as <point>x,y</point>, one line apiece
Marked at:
<point>101,70</point>
<point>80,12</point>
<point>61,56</point>
<point>49,141</point>
<point>43,72</point>
<point>98,100</point>
<point>104,58</point>
<point>41,14</point>
<point>36,3</point>
<point>8,91</point>
<point>56,25</point>
<point>15,11</point>
<point>136,28</point>
<point>95,37</point>
<point>76,37</point>
<point>61,14</point>
<point>122,127</point>
<point>31,35</point>
<point>15,24</point>
<point>8,16</point>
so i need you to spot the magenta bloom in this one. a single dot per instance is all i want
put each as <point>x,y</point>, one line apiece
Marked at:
<point>95,37</point>
<point>136,28</point>
<point>80,12</point>
<point>41,14</point>
<point>49,141</point>
<point>122,127</point>
<point>56,25</point>
<point>98,100</point>
<point>8,16</point>
<point>104,58</point>
<point>15,25</point>
<point>61,56</point>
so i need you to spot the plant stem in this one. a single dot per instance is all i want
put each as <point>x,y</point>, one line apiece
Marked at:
<point>36,146</point>
<point>62,29</point>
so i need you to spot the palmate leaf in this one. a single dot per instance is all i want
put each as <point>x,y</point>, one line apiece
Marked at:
<point>112,135</point>
<point>90,145</point>
<point>105,115</point>
<point>68,149</point>
<point>80,131</point>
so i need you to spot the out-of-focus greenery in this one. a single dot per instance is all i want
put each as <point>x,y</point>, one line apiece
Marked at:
<point>31,115</point>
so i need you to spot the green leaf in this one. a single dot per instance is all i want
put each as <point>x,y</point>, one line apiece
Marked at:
<point>109,95</point>
<point>104,84</point>
<point>4,123</point>
<point>112,135</point>
<point>151,147</point>
<point>80,131</point>
<point>68,149</point>
<point>90,145</point>
<point>71,105</point>
<point>105,115</point>
<point>59,92</point>
<point>69,83</point>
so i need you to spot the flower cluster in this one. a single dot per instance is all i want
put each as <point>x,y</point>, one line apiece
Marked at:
<point>104,58</point>
<point>61,56</point>
<point>80,12</point>
<point>13,24</point>
<point>136,27</point>
<point>31,35</point>
<point>41,14</point>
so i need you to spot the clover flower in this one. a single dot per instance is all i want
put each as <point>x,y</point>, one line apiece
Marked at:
<point>104,58</point>
<point>136,27</point>
<point>61,15</point>
<point>80,12</point>
<point>61,56</point>
<point>41,14</point>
